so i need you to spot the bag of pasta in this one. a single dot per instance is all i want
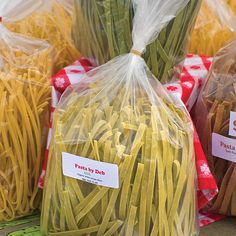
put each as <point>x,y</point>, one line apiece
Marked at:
<point>102,29</point>
<point>121,159</point>
<point>50,20</point>
<point>215,117</point>
<point>25,70</point>
<point>215,26</point>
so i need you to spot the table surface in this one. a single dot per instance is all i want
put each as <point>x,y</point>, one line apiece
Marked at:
<point>226,227</point>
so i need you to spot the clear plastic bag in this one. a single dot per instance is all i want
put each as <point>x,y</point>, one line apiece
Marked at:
<point>215,27</point>
<point>120,116</point>
<point>25,71</point>
<point>215,122</point>
<point>103,30</point>
<point>50,20</point>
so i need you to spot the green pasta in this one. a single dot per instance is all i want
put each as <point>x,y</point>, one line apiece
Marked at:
<point>103,30</point>
<point>122,116</point>
<point>156,174</point>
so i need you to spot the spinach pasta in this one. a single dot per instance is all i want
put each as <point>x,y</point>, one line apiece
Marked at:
<point>120,116</point>
<point>103,30</point>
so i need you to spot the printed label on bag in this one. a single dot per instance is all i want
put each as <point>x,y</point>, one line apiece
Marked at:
<point>224,147</point>
<point>94,172</point>
<point>232,124</point>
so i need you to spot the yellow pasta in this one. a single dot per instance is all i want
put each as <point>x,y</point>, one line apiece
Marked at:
<point>25,70</point>
<point>53,24</point>
<point>232,4</point>
<point>211,31</point>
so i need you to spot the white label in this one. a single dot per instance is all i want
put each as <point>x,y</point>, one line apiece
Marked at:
<point>94,172</point>
<point>224,147</point>
<point>232,124</point>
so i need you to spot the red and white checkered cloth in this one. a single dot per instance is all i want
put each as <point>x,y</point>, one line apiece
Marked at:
<point>193,75</point>
<point>208,218</point>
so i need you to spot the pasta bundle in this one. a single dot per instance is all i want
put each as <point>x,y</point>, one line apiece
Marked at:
<point>215,125</point>
<point>102,30</point>
<point>25,69</point>
<point>153,171</point>
<point>51,21</point>
<point>120,115</point>
<point>215,26</point>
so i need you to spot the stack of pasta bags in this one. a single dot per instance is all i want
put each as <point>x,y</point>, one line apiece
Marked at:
<point>27,61</point>
<point>120,122</point>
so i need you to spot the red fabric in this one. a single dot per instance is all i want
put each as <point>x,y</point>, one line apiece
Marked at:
<point>206,183</point>
<point>208,218</point>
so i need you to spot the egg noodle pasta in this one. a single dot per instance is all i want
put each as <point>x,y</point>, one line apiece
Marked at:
<point>121,115</point>
<point>25,70</point>
<point>232,5</point>
<point>215,26</point>
<point>49,20</point>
